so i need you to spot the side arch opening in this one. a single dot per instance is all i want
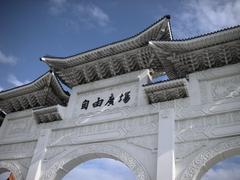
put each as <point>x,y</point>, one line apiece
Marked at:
<point>208,158</point>
<point>6,174</point>
<point>224,170</point>
<point>10,171</point>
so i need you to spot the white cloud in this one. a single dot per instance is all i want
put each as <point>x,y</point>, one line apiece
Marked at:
<point>90,13</point>
<point>12,79</point>
<point>201,16</point>
<point>96,13</point>
<point>92,174</point>
<point>58,2</point>
<point>7,59</point>
<point>76,13</point>
<point>57,6</point>
<point>106,169</point>
<point>1,88</point>
<point>223,174</point>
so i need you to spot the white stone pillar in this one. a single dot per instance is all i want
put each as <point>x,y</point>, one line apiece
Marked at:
<point>166,137</point>
<point>194,89</point>
<point>34,171</point>
<point>143,78</point>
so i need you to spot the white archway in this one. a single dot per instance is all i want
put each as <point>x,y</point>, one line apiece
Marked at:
<point>12,167</point>
<point>209,157</point>
<point>67,161</point>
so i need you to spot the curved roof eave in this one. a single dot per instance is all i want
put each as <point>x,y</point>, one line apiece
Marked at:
<point>32,86</point>
<point>198,42</point>
<point>49,59</point>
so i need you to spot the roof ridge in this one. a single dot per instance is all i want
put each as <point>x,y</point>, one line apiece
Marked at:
<point>206,34</point>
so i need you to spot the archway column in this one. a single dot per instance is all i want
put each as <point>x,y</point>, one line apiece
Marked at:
<point>35,168</point>
<point>165,159</point>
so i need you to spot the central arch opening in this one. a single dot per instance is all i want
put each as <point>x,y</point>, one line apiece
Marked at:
<point>63,164</point>
<point>100,168</point>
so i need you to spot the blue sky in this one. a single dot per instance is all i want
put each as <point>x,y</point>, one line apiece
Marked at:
<point>30,29</point>
<point>105,169</point>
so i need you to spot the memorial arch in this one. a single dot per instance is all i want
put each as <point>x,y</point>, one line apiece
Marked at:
<point>118,108</point>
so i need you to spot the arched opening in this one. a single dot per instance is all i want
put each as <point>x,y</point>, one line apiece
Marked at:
<point>65,162</point>
<point>11,168</point>
<point>6,174</point>
<point>211,156</point>
<point>101,168</point>
<point>94,160</point>
<point>224,170</point>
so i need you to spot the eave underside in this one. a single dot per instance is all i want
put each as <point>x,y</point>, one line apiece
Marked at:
<point>182,57</point>
<point>41,98</point>
<point>45,115</point>
<point>175,64</point>
<point>137,59</point>
<point>166,91</point>
<point>182,63</point>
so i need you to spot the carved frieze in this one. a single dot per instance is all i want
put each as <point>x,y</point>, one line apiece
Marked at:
<point>187,149</point>
<point>228,87</point>
<point>106,131</point>
<point>220,89</point>
<point>22,128</point>
<point>17,150</point>
<point>206,127</point>
<point>146,142</point>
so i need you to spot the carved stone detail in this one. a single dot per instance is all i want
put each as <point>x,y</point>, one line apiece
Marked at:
<point>147,142</point>
<point>215,56</point>
<point>184,150</point>
<point>207,127</point>
<point>225,88</point>
<point>106,131</point>
<point>18,127</point>
<point>166,91</point>
<point>17,150</point>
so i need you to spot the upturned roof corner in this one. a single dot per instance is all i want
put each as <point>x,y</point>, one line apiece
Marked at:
<point>43,92</point>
